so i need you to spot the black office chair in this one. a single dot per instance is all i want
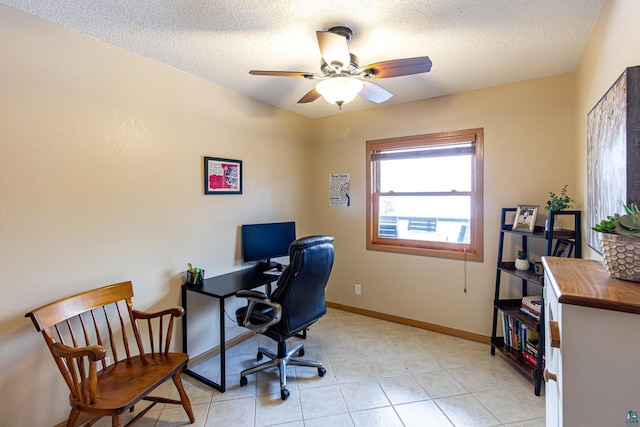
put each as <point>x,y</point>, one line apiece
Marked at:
<point>296,303</point>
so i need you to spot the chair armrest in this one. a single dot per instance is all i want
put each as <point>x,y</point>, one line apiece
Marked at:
<point>157,327</point>
<point>173,311</point>
<point>72,362</point>
<point>251,294</point>
<point>93,352</point>
<point>256,300</point>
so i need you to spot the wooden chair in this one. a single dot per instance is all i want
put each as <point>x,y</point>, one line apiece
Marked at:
<point>90,339</point>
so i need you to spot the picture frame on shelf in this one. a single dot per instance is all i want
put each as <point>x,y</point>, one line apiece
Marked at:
<point>525,219</point>
<point>222,176</point>
<point>563,248</point>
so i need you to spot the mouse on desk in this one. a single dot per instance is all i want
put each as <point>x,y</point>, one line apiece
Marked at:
<point>279,267</point>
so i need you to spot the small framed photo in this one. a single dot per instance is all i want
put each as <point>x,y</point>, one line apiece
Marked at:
<point>525,219</point>
<point>222,176</point>
<point>563,248</point>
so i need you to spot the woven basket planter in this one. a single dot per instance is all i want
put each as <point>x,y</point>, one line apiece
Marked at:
<point>622,256</point>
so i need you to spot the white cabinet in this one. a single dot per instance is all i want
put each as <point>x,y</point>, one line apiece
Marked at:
<point>592,338</point>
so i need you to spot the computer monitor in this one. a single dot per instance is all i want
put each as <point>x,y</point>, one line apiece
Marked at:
<point>262,242</point>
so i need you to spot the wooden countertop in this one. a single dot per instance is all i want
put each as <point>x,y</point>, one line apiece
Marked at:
<point>587,283</point>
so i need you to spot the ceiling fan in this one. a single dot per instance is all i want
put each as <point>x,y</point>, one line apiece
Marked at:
<point>342,79</point>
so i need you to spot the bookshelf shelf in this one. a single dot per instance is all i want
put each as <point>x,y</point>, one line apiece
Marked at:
<point>509,310</point>
<point>512,309</point>
<point>509,267</point>
<point>514,357</point>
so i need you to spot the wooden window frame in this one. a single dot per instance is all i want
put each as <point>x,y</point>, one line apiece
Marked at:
<point>472,251</point>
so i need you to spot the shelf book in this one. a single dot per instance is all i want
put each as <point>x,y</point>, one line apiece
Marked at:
<point>516,333</point>
<point>519,338</point>
<point>532,306</point>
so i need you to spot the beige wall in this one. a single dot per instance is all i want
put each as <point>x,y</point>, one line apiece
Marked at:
<point>101,181</point>
<point>612,47</point>
<point>525,126</point>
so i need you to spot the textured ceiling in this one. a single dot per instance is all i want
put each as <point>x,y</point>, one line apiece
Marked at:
<point>472,43</point>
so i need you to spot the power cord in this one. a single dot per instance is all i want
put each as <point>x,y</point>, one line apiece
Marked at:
<point>465,270</point>
<point>229,317</point>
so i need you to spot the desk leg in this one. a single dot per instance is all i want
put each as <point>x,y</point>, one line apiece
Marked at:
<point>223,370</point>
<point>221,386</point>
<point>184,321</point>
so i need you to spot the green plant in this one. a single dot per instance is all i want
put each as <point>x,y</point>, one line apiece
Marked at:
<point>624,225</point>
<point>559,202</point>
<point>522,254</point>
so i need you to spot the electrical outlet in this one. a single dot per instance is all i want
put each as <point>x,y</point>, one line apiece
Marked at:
<point>358,289</point>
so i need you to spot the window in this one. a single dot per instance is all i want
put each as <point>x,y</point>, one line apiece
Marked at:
<point>424,195</point>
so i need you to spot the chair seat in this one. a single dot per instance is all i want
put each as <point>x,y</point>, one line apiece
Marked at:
<point>123,384</point>
<point>261,313</point>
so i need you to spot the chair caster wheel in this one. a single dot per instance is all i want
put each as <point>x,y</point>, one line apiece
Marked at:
<point>284,394</point>
<point>301,352</point>
<point>259,357</point>
<point>243,381</point>
<point>322,371</point>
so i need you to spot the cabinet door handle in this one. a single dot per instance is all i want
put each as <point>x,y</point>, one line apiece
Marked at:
<point>548,376</point>
<point>554,331</point>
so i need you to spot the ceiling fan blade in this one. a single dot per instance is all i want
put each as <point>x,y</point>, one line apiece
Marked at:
<point>375,93</point>
<point>333,48</point>
<point>397,67</point>
<point>285,74</point>
<point>311,96</point>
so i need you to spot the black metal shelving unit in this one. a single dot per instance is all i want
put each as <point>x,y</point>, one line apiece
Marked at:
<point>511,307</point>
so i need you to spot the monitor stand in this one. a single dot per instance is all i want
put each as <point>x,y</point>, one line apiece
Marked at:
<point>268,265</point>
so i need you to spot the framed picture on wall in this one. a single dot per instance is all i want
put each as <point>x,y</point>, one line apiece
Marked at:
<point>222,176</point>
<point>525,219</point>
<point>613,152</point>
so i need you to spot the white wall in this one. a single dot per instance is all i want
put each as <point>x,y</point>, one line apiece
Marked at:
<point>101,181</point>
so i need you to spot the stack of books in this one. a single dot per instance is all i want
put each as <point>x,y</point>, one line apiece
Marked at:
<point>532,306</point>
<point>530,353</point>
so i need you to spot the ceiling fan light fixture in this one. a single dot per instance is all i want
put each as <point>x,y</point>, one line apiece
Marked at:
<point>342,79</point>
<point>339,90</point>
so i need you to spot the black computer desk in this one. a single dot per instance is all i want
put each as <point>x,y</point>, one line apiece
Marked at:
<point>221,287</point>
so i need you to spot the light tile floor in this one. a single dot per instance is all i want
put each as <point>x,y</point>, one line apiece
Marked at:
<point>379,373</point>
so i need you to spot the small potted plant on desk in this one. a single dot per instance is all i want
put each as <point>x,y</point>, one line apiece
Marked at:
<point>621,243</point>
<point>558,203</point>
